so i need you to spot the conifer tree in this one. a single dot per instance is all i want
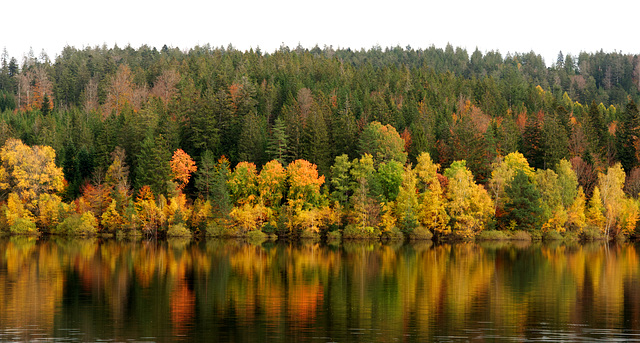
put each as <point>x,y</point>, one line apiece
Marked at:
<point>277,142</point>
<point>153,167</point>
<point>627,137</point>
<point>523,205</point>
<point>532,142</point>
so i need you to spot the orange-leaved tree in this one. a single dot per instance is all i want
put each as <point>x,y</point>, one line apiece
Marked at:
<point>304,183</point>
<point>182,165</point>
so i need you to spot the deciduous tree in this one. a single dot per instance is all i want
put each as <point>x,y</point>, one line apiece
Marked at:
<point>29,171</point>
<point>182,166</point>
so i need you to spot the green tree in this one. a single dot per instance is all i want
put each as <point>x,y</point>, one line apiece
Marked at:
<point>383,143</point>
<point>627,136</point>
<point>153,167</point>
<point>389,175</point>
<point>596,131</point>
<point>555,141</point>
<point>523,205</point>
<point>315,140</point>
<point>252,141</point>
<point>345,133</point>
<point>502,175</point>
<point>340,180</point>
<point>532,142</point>
<point>277,142</point>
<point>567,182</point>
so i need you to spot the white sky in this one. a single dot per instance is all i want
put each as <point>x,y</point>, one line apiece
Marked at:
<point>544,26</point>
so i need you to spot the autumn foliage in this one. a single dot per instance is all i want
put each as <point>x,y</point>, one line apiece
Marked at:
<point>394,143</point>
<point>182,166</point>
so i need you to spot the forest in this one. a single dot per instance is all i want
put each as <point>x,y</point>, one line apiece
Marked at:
<point>320,142</point>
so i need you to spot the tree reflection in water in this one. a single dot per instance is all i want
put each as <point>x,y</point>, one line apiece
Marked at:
<point>357,291</point>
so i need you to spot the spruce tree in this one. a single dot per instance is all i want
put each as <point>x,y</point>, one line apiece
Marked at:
<point>153,167</point>
<point>627,135</point>
<point>523,206</point>
<point>277,142</point>
<point>532,142</point>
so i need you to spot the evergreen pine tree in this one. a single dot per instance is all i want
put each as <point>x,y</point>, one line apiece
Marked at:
<point>523,205</point>
<point>277,142</point>
<point>627,136</point>
<point>532,142</point>
<point>252,140</point>
<point>153,167</point>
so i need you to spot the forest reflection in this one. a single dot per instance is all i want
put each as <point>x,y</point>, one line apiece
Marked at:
<point>233,290</point>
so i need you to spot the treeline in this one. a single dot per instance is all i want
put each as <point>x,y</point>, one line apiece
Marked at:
<point>300,109</point>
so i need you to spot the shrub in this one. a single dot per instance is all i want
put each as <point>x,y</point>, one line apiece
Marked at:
<point>571,237</point>
<point>591,233</point>
<point>309,234</point>
<point>552,235</point>
<point>221,228</point>
<point>334,236</point>
<point>521,236</point>
<point>492,235</point>
<point>76,224</point>
<point>256,236</point>
<point>393,234</point>
<point>23,226</point>
<point>420,233</point>
<point>352,231</point>
<point>178,230</point>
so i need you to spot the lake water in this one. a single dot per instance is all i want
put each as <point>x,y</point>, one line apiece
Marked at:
<point>226,290</point>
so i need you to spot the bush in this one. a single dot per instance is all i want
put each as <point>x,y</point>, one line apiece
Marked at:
<point>492,235</point>
<point>521,236</point>
<point>552,235</point>
<point>76,224</point>
<point>178,230</point>
<point>535,235</point>
<point>352,231</point>
<point>591,233</point>
<point>394,234</point>
<point>23,226</point>
<point>221,228</point>
<point>269,228</point>
<point>334,236</point>
<point>309,234</point>
<point>256,236</point>
<point>420,233</point>
<point>571,237</point>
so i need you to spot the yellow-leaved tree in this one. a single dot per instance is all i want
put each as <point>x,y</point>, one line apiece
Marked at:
<point>502,175</point>
<point>469,205</point>
<point>29,171</point>
<point>432,213</point>
<point>620,213</point>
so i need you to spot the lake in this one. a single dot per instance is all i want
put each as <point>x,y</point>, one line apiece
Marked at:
<point>227,290</point>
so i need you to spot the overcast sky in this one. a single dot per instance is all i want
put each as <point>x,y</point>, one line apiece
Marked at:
<point>544,26</point>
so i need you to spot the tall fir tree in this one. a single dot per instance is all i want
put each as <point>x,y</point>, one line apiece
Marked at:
<point>523,205</point>
<point>153,167</point>
<point>277,142</point>
<point>627,137</point>
<point>532,142</point>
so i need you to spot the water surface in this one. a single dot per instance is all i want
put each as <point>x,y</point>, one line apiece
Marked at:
<point>226,290</point>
